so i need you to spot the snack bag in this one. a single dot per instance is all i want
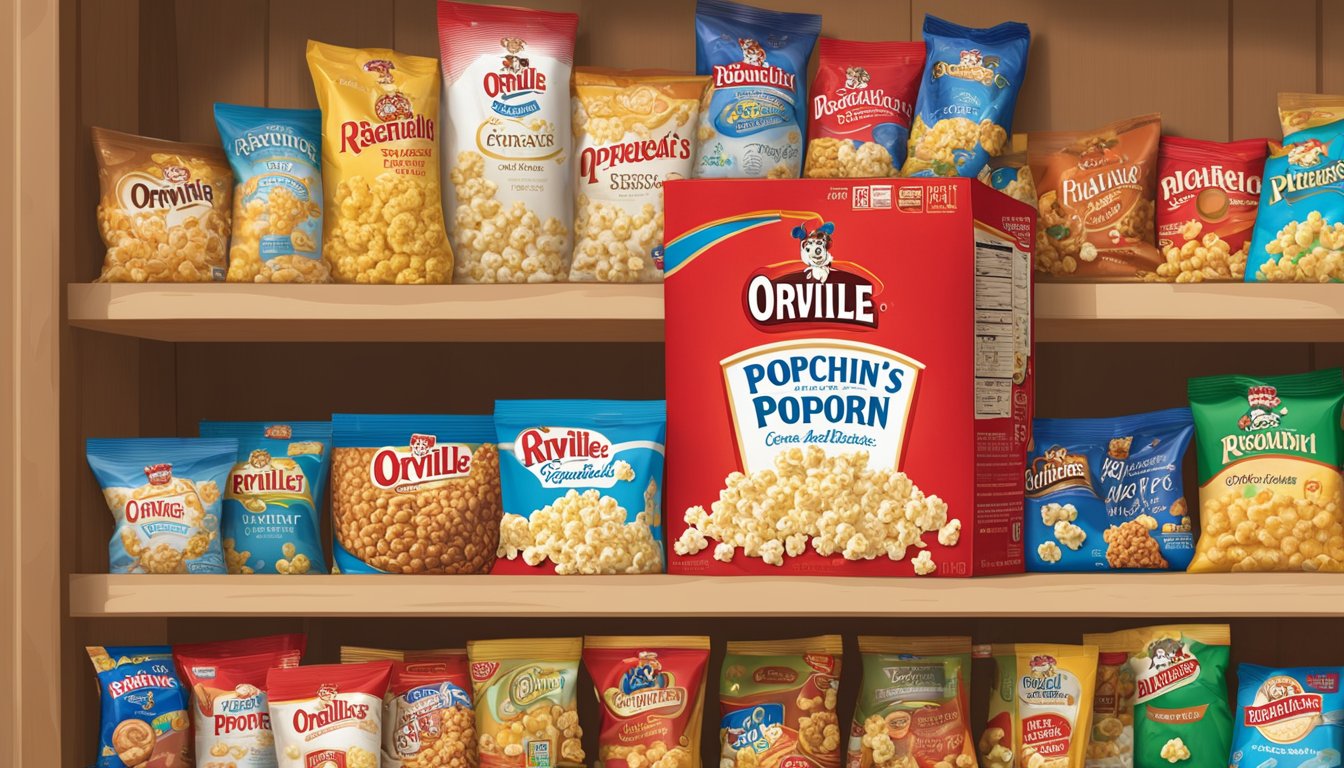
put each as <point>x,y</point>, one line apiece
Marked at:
<point>1269,453</point>
<point>752,119</point>
<point>1299,226</point>
<point>428,719</point>
<point>1300,111</point>
<point>912,710</point>
<point>652,692</point>
<point>525,692</point>
<point>380,167</point>
<point>862,100</point>
<point>274,491</point>
<point>1180,707</point>
<point>507,149</point>
<point>163,212</point>
<point>777,700</point>
<point>964,113</point>
<point>1011,174</point>
<point>328,714</point>
<point>1288,716</point>
<point>164,495</point>
<point>439,473</point>
<point>583,486</point>
<point>632,131</point>
<point>1097,191</point>
<point>277,200</point>
<point>228,685</point>
<point>1207,196</point>
<point>143,722</point>
<point>1107,493</point>
<point>1110,743</point>
<point>1039,711</point>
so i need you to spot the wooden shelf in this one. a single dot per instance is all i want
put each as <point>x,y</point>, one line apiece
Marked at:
<point>1113,312</point>
<point>1113,595</point>
<point>241,312</point>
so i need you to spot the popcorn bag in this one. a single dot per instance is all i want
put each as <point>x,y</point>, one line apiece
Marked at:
<point>380,168</point>
<point>526,694</point>
<point>823,423</point>
<point>328,714</point>
<point>143,721</point>
<point>507,141</point>
<point>1207,196</point>
<point>777,701</point>
<point>1040,705</point>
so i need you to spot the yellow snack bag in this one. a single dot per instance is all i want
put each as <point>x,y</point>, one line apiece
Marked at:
<point>1299,111</point>
<point>380,165</point>
<point>1110,743</point>
<point>1040,706</point>
<point>525,694</point>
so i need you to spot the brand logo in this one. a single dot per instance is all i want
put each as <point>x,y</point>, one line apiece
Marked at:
<point>245,145</point>
<point>1169,665</point>
<point>516,84</point>
<point>382,68</point>
<point>176,190</point>
<point>483,670</point>
<point>278,432</point>
<point>752,70</point>
<point>774,675</point>
<point>328,710</point>
<point>645,688</point>
<point>1261,427</point>
<point>856,77</point>
<point>1282,698</point>
<point>159,474</point>
<point>1209,176</point>
<point>570,457</point>
<point>821,292</point>
<point>1056,469</point>
<point>261,474</point>
<point>401,124</point>
<point>1042,666</point>
<point>532,683</point>
<point>1098,153</point>
<point>594,159</point>
<point>1311,154</point>
<point>119,688</point>
<point>423,461</point>
<point>974,67</point>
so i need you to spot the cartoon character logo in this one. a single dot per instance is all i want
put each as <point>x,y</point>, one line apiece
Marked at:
<point>646,672</point>
<point>259,458</point>
<point>856,77</point>
<point>1042,666</point>
<point>421,445</point>
<point>393,106</point>
<point>972,58</point>
<point>1164,652</point>
<point>1265,409</point>
<point>325,694</point>
<point>176,174</point>
<point>815,250</point>
<point>1281,688</point>
<point>752,52</point>
<point>512,61</point>
<point>1305,154</point>
<point>972,65</point>
<point>382,68</point>
<point>159,474</point>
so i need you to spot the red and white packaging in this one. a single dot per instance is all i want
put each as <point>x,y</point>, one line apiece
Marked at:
<point>860,107</point>
<point>1207,192</point>
<point>229,699</point>
<point>328,716</point>
<point>849,376</point>
<point>428,719</point>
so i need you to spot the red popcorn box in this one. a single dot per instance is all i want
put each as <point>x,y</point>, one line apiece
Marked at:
<point>849,376</point>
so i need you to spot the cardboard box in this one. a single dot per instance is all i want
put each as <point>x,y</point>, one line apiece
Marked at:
<point>891,317</point>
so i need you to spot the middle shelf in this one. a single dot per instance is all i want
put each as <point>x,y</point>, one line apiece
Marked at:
<point>1157,595</point>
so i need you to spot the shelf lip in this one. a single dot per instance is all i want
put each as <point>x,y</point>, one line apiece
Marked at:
<point>1155,595</point>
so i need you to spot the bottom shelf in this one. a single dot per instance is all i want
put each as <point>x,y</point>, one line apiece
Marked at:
<point>1159,595</point>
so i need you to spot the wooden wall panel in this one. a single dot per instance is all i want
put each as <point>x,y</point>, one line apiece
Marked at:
<point>1330,26</point>
<point>1270,54</point>
<point>294,22</point>
<point>223,55</point>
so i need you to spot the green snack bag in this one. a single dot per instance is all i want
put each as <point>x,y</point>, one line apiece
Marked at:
<point>1181,710</point>
<point>1269,452</point>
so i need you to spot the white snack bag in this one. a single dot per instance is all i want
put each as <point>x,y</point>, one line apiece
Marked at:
<point>328,715</point>
<point>507,147</point>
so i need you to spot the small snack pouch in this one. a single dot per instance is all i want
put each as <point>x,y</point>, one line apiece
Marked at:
<point>442,472</point>
<point>590,470</point>
<point>274,491</point>
<point>862,100</point>
<point>1289,718</point>
<point>1299,225</point>
<point>752,121</point>
<point>964,113</point>
<point>1207,196</point>
<point>777,702</point>
<point>228,684</point>
<point>164,495</point>
<point>912,710</point>
<point>1181,713</point>
<point>428,719</point>
<point>1107,493</point>
<point>1111,741</point>
<point>651,691</point>
<point>144,721</point>
<point>526,693</point>
<point>1039,706</point>
<point>328,714</point>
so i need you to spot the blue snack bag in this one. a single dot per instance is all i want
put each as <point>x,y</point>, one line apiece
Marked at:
<point>277,201</point>
<point>1289,718</point>
<point>270,522</point>
<point>1106,494</point>
<point>143,720</point>
<point>1299,226</point>
<point>754,123</point>
<point>164,494</point>
<point>582,485</point>
<point>964,112</point>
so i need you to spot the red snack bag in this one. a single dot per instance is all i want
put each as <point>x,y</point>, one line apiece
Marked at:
<point>652,692</point>
<point>1207,196</point>
<point>229,702</point>
<point>329,714</point>
<point>428,718</point>
<point>862,101</point>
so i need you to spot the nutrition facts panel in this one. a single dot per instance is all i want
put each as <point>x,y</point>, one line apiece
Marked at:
<point>995,325</point>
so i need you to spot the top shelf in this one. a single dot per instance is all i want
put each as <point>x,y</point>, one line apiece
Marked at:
<point>1111,312</point>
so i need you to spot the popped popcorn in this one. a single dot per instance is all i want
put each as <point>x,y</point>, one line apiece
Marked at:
<point>1049,552</point>
<point>507,141</point>
<point>1055,512</point>
<point>1070,535</point>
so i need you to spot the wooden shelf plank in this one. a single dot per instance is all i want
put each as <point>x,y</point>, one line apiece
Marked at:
<point>1155,596</point>
<point>241,312</point>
